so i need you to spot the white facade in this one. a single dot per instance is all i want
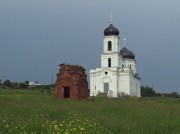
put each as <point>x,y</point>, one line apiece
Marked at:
<point>117,75</point>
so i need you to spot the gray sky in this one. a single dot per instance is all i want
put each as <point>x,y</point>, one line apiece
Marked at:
<point>38,35</point>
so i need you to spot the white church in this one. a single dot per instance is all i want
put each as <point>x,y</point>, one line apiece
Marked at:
<point>117,75</point>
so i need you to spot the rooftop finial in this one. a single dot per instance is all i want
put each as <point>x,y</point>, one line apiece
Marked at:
<point>111,18</point>
<point>124,42</point>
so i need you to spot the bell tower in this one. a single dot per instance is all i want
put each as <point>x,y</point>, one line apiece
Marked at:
<point>110,55</point>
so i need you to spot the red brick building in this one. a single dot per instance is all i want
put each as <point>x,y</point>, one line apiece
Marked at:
<point>71,82</point>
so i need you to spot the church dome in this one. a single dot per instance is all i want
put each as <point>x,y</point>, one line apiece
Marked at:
<point>127,53</point>
<point>111,30</point>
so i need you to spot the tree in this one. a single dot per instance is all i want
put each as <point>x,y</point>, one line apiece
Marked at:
<point>27,82</point>
<point>173,95</point>
<point>7,83</point>
<point>147,91</point>
<point>22,85</point>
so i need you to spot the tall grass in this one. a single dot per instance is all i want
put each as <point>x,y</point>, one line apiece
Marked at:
<point>26,111</point>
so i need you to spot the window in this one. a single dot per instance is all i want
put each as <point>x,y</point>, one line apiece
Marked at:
<point>109,46</point>
<point>109,62</point>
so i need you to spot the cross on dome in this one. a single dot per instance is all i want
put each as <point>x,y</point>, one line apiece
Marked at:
<point>124,42</point>
<point>111,18</point>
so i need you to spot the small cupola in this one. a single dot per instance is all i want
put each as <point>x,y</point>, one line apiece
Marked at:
<point>126,53</point>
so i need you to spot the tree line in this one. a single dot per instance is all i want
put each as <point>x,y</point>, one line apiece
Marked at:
<point>16,85</point>
<point>149,92</point>
<point>145,90</point>
<point>22,85</point>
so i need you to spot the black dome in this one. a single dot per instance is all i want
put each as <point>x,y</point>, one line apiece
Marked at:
<point>111,30</point>
<point>127,53</point>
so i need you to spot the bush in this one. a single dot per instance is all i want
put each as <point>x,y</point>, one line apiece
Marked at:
<point>22,85</point>
<point>147,92</point>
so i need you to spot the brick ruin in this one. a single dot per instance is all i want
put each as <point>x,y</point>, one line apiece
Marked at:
<point>71,82</point>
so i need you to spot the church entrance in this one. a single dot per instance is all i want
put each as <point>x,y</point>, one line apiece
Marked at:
<point>66,92</point>
<point>106,87</point>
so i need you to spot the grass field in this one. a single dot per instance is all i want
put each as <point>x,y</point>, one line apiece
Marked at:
<point>23,111</point>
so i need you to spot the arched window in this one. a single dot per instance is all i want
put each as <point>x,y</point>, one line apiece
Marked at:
<point>109,62</point>
<point>109,45</point>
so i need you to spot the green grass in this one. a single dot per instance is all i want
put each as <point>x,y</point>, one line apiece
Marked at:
<point>34,111</point>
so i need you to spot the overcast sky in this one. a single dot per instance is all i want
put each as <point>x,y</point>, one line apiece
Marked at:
<point>38,35</point>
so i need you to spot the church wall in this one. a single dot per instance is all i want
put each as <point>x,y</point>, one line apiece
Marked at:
<point>138,86</point>
<point>134,86</point>
<point>115,83</point>
<point>100,77</point>
<point>93,86</point>
<point>92,83</point>
<point>120,62</point>
<point>98,82</point>
<point>124,83</point>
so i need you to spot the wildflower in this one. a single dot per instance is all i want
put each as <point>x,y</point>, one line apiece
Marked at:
<point>55,127</point>
<point>74,129</point>
<point>82,129</point>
